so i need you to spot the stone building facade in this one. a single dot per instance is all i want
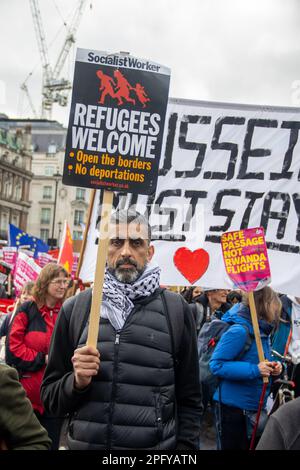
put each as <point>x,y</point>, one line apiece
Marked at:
<point>15,177</point>
<point>51,202</point>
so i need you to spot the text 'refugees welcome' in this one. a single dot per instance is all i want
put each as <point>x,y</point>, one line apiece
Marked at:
<point>115,131</point>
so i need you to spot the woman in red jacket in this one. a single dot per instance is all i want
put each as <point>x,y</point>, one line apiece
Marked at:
<point>29,336</point>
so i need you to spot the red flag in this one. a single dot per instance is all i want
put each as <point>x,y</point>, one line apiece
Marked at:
<point>65,256</point>
<point>54,253</point>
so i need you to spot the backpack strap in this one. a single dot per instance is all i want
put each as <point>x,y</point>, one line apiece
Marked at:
<point>80,314</point>
<point>174,310</point>
<point>32,313</point>
<point>30,309</point>
<point>249,341</point>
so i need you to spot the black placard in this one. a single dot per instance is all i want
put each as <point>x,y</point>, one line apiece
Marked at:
<point>116,123</point>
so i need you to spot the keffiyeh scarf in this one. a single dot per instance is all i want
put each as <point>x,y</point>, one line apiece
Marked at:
<point>118,297</point>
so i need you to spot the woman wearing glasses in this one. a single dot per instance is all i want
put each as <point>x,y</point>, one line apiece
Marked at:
<point>29,336</point>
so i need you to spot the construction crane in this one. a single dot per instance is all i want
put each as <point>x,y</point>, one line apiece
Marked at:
<point>24,88</point>
<point>54,89</point>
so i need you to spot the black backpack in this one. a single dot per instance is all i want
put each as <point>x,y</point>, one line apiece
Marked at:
<point>209,336</point>
<point>173,305</point>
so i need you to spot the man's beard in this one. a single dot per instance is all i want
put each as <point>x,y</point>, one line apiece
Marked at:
<point>127,275</point>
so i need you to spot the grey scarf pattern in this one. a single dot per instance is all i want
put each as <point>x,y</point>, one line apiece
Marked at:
<point>117,296</point>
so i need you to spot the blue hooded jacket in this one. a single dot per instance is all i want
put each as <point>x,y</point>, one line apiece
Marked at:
<point>240,380</point>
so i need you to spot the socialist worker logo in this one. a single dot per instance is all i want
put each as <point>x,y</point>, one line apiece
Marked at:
<point>118,88</point>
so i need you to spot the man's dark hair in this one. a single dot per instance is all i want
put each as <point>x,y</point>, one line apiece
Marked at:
<point>127,216</point>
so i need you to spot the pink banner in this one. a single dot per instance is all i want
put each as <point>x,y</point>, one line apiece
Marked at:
<point>246,258</point>
<point>27,252</point>
<point>75,264</point>
<point>10,254</point>
<point>44,258</point>
<point>26,270</point>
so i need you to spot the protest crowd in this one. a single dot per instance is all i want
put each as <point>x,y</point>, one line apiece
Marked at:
<point>159,377</point>
<point>105,351</point>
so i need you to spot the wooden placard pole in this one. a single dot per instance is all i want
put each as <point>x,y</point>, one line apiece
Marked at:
<point>100,268</point>
<point>9,284</point>
<point>260,351</point>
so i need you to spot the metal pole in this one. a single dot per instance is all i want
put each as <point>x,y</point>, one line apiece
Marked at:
<point>59,232</point>
<point>54,210</point>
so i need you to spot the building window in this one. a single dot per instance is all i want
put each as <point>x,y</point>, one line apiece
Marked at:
<point>78,217</point>
<point>49,170</point>
<point>3,221</point>
<point>51,149</point>
<point>18,191</point>
<point>77,235</point>
<point>80,194</point>
<point>7,193</point>
<point>44,234</point>
<point>45,219</point>
<point>47,192</point>
<point>4,225</point>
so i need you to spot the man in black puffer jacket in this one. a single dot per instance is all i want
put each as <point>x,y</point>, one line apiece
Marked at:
<point>137,389</point>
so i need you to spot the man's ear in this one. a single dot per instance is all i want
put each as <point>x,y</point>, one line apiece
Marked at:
<point>150,252</point>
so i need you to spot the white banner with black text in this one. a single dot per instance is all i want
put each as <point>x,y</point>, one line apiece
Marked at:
<point>224,167</point>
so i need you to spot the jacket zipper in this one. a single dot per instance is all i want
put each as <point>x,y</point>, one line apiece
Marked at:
<point>158,417</point>
<point>113,389</point>
<point>114,385</point>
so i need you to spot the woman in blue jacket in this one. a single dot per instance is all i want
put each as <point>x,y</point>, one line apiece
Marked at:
<point>241,382</point>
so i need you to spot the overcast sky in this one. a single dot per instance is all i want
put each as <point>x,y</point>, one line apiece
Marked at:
<point>243,51</point>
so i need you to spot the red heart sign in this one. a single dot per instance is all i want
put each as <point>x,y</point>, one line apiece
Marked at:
<point>191,264</point>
